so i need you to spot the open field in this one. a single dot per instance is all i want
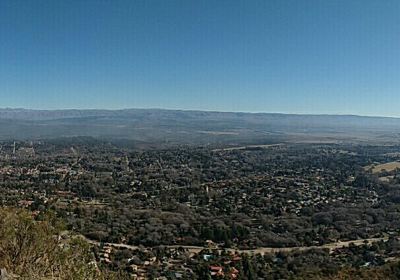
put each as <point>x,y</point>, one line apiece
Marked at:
<point>219,132</point>
<point>389,166</point>
<point>248,147</point>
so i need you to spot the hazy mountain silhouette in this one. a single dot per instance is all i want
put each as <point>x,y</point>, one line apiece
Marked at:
<point>176,126</point>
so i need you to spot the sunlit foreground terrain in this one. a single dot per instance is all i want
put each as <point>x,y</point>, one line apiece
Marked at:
<point>31,248</point>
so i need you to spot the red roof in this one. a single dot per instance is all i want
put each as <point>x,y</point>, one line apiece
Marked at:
<point>215,268</point>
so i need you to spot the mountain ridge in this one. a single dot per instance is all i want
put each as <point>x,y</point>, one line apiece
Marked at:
<point>15,111</point>
<point>192,127</point>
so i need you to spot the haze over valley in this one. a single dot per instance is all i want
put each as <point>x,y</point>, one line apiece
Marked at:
<point>146,127</point>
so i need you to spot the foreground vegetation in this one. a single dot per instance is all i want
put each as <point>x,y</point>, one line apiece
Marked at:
<point>33,249</point>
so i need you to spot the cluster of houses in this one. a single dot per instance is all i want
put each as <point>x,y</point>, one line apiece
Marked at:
<point>175,263</point>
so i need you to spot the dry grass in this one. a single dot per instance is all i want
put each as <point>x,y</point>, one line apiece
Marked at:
<point>248,147</point>
<point>390,166</point>
<point>30,249</point>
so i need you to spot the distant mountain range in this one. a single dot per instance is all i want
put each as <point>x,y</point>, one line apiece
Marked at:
<point>194,127</point>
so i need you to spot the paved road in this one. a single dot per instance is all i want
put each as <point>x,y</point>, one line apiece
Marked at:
<point>262,250</point>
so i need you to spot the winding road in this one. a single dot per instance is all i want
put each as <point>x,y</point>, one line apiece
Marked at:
<point>261,250</point>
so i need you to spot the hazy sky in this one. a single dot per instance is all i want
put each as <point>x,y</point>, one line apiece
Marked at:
<point>294,56</point>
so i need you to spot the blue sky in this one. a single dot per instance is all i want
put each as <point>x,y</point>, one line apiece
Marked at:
<point>292,56</point>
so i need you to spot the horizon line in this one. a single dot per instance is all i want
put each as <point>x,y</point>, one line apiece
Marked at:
<point>200,110</point>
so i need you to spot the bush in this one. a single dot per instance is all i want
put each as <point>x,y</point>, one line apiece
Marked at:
<point>33,249</point>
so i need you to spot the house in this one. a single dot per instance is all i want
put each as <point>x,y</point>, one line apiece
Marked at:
<point>216,270</point>
<point>210,244</point>
<point>25,203</point>
<point>133,267</point>
<point>207,257</point>
<point>236,258</point>
<point>234,273</point>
